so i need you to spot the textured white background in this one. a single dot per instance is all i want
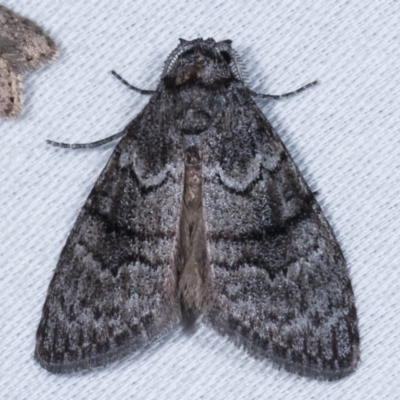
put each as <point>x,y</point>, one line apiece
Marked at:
<point>343,134</point>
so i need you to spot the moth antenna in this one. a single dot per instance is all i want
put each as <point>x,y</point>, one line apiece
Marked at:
<point>240,68</point>
<point>126,83</point>
<point>236,64</point>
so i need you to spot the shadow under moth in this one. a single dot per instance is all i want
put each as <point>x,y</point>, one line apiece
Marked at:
<point>201,211</point>
<point>24,47</point>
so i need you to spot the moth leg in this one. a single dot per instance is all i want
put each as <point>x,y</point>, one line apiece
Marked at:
<point>141,91</point>
<point>282,96</point>
<point>87,145</point>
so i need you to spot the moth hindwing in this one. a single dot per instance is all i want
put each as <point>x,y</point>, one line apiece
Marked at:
<point>201,211</point>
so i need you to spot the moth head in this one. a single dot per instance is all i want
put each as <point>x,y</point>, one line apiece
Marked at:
<point>203,62</point>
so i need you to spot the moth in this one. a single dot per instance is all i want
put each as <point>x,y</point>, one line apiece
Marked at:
<point>24,47</point>
<point>201,211</point>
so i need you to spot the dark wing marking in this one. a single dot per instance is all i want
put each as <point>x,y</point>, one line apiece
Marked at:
<point>279,283</point>
<point>114,288</point>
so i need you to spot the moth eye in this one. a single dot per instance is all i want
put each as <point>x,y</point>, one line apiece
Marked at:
<point>227,57</point>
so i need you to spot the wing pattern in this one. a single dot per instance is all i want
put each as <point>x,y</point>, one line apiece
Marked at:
<point>279,285</point>
<point>202,211</point>
<point>114,288</point>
